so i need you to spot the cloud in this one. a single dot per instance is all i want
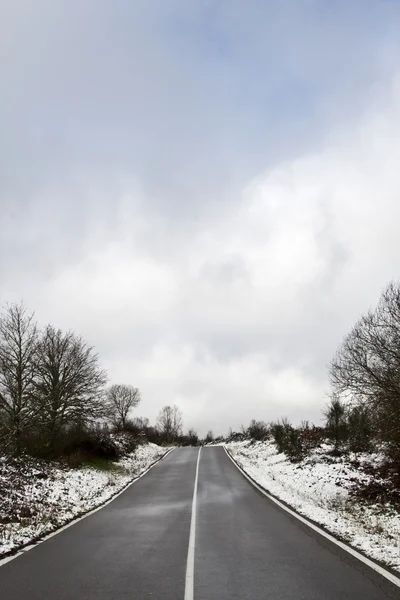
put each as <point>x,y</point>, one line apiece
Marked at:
<point>239,320</point>
<point>208,194</point>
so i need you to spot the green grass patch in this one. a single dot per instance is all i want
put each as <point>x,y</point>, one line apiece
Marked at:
<point>102,464</point>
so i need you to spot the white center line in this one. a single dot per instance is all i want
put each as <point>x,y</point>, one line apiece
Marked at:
<point>189,582</point>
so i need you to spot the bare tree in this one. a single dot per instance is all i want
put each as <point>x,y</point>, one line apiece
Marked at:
<point>70,384</point>
<point>18,338</point>
<point>121,399</point>
<point>192,437</point>
<point>367,366</point>
<point>169,422</point>
<point>141,423</point>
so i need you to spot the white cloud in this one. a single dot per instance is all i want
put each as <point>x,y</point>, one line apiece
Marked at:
<point>239,320</point>
<point>129,207</point>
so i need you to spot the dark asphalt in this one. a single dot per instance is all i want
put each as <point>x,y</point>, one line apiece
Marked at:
<point>247,548</point>
<point>136,547</point>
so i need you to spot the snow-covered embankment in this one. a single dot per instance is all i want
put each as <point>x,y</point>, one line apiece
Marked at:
<point>37,498</point>
<point>319,487</point>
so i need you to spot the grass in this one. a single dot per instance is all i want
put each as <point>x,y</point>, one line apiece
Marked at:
<point>102,464</point>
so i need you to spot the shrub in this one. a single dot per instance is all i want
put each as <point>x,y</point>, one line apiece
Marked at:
<point>126,442</point>
<point>311,437</point>
<point>294,447</point>
<point>209,437</point>
<point>336,423</point>
<point>81,445</point>
<point>359,429</point>
<point>280,433</point>
<point>257,430</point>
<point>295,442</point>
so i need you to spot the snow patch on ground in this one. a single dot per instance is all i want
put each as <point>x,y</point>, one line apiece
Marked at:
<point>319,487</point>
<point>37,497</point>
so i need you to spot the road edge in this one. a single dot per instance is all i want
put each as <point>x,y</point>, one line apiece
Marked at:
<point>356,556</point>
<point>16,552</point>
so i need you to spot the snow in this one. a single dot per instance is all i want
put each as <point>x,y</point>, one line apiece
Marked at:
<point>37,498</point>
<point>319,487</point>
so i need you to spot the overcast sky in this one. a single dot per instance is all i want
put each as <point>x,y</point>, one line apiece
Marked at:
<point>208,191</point>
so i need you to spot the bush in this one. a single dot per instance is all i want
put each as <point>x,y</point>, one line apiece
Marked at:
<point>93,444</point>
<point>336,423</point>
<point>191,439</point>
<point>209,437</point>
<point>257,430</point>
<point>295,442</point>
<point>126,442</point>
<point>129,427</point>
<point>359,429</point>
<point>219,439</point>
<point>279,431</point>
<point>294,447</point>
<point>233,436</point>
<point>311,437</point>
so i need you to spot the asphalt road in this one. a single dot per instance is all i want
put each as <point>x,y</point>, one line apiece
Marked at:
<point>136,547</point>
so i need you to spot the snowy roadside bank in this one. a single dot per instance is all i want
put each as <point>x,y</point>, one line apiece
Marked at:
<point>37,498</point>
<point>319,487</point>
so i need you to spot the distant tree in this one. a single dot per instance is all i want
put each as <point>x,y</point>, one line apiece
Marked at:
<point>69,386</point>
<point>169,423</point>
<point>192,437</point>
<point>120,400</point>
<point>141,423</point>
<point>153,435</point>
<point>209,437</point>
<point>18,340</point>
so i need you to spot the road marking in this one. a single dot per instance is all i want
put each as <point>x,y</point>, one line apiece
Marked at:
<point>392,578</point>
<point>7,559</point>
<point>189,581</point>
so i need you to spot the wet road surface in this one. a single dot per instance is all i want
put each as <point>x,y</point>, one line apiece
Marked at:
<point>136,547</point>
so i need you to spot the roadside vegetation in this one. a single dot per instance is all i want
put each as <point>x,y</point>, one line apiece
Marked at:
<point>59,414</point>
<point>362,415</point>
<point>55,402</point>
<point>345,472</point>
<point>68,439</point>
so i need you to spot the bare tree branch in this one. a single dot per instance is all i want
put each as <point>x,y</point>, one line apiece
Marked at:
<point>69,387</point>
<point>121,399</point>
<point>169,422</point>
<point>367,365</point>
<point>18,339</point>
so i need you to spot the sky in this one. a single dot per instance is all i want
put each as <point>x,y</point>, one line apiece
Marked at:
<point>207,191</point>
